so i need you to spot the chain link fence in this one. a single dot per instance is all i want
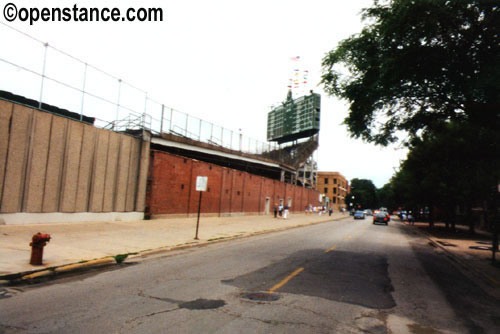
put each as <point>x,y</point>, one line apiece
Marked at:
<point>36,70</point>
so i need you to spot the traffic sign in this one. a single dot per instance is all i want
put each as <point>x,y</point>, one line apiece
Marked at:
<point>201,183</point>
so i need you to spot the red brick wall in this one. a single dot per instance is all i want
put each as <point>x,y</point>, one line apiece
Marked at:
<point>252,193</point>
<point>226,190</point>
<point>237,197</point>
<point>172,189</point>
<point>210,198</point>
<point>169,180</point>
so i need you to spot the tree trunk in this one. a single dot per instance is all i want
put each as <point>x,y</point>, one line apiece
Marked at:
<point>495,225</point>
<point>454,217</point>
<point>448,216</point>
<point>431,217</point>
<point>470,221</point>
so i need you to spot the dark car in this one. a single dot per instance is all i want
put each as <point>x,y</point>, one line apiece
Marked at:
<point>381,218</point>
<point>359,214</point>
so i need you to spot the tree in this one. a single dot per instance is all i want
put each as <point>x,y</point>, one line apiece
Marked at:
<point>386,197</point>
<point>364,193</point>
<point>416,64</point>
<point>454,165</point>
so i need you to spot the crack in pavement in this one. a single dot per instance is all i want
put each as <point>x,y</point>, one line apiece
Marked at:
<point>130,322</point>
<point>4,326</point>
<point>168,300</point>
<point>272,322</point>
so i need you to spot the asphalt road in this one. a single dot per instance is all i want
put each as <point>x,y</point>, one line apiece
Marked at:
<point>344,277</point>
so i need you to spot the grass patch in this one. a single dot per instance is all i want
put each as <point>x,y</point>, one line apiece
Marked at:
<point>219,238</point>
<point>120,258</point>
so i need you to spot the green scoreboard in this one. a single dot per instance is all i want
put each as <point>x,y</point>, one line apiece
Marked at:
<point>294,118</point>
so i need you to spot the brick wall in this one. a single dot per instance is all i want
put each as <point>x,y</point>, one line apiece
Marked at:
<point>172,189</point>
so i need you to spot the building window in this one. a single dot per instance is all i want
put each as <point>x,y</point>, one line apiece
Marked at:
<point>326,190</point>
<point>335,181</point>
<point>326,180</point>
<point>334,200</point>
<point>334,190</point>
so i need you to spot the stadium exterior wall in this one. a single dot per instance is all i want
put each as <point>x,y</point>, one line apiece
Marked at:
<point>61,167</point>
<point>172,190</point>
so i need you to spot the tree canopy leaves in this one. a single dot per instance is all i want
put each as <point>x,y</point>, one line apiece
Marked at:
<point>457,165</point>
<point>363,193</point>
<point>416,64</point>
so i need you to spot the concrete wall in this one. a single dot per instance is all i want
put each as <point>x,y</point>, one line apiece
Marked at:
<point>50,164</point>
<point>172,189</point>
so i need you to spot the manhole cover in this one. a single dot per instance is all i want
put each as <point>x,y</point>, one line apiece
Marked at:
<point>261,296</point>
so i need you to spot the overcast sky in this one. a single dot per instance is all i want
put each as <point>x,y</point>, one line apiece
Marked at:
<point>226,61</point>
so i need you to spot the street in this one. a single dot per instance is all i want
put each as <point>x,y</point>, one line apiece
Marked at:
<point>347,276</point>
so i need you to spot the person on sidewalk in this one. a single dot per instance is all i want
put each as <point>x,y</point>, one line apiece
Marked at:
<point>280,210</point>
<point>275,210</point>
<point>285,213</point>
<point>411,220</point>
<point>330,211</point>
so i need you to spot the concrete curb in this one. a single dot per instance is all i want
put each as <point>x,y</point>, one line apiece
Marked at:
<point>26,277</point>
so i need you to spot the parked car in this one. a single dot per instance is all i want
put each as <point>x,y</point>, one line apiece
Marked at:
<point>359,214</point>
<point>368,212</point>
<point>381,218</point>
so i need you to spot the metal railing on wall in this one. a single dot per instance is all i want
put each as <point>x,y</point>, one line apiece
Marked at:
<point>36,70</point>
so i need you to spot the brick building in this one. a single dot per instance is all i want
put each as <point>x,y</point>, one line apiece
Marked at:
<point>334,188</point>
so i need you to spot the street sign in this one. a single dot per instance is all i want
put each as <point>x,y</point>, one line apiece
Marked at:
<point>201,183</point>
<point>201,186</point>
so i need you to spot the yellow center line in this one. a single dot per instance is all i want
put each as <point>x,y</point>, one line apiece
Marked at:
<point>283,282</point>
<point>330,249</point>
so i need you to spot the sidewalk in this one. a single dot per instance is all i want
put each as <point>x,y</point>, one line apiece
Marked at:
<point>74,246</point>
<point>475,261</point>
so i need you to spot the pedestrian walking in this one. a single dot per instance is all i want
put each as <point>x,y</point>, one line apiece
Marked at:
<point>275,210</point>
<point>285,213</point>
<point>280,210</point>
<point>411,220</point>
<point>330,211</point>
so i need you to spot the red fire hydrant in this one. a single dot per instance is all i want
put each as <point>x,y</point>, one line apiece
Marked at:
<point>38,241</point>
